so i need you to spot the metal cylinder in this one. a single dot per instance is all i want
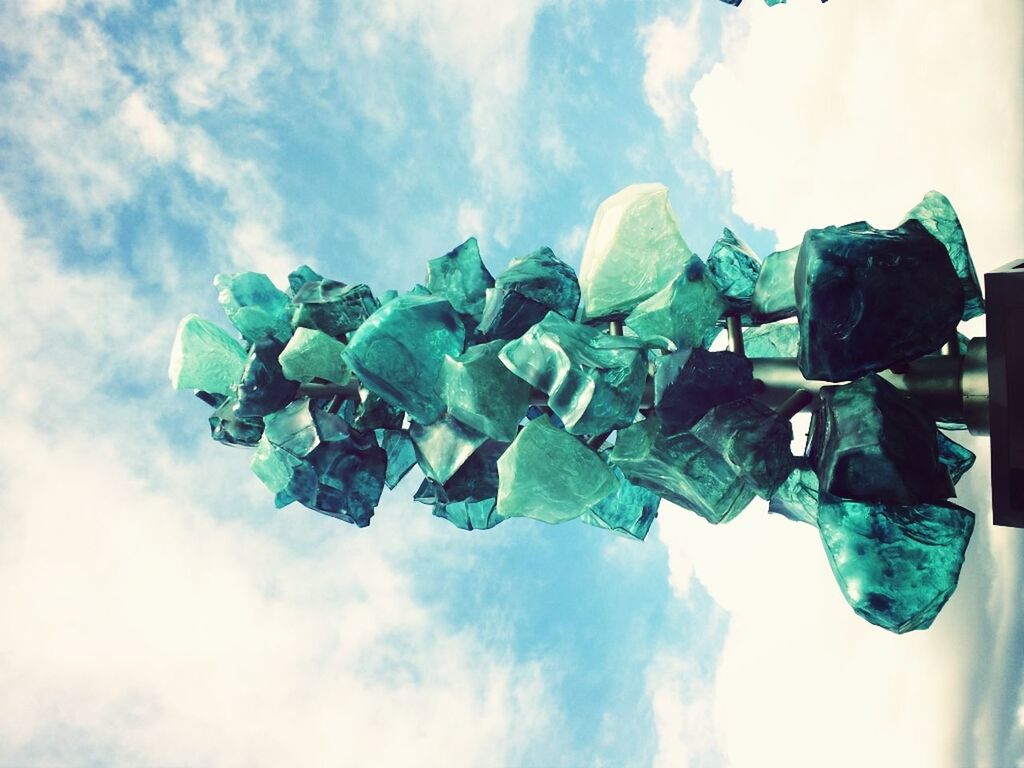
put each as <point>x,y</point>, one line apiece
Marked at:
<point>974,386</point>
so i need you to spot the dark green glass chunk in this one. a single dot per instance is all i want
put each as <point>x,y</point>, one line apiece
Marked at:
<point>772,340</point>
<point>482,393</point>
<point>532,286</point>
<point>594,381</point>
<point>300,276</point>
<point>682,312</point>
<point>797,497</point>
<point>752,439</point>
<point>312,354</point>
<point>871,442</point>
<point>205,357</point>
<point>228,428</point>
<point>629,510</point>
<point>461,277</point>
<point>401,454</point>
<point>774,293</point>
<point>444,446</point>
<point>263,387</point>
<point>690,382</point>
<point>682,469</point>
<point>869,298</point>
<point>371,411</point>
<point>954,457</point>
<point>549,475</point>
<point>255,306</point>
<point>896,565</point>
<point>733,268</point>
<point>332,307</point>
<point>469,499</point>
<point>399,353</point>
<point>936,213</point>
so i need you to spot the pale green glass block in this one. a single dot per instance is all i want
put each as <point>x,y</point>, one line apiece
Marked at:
<point>461,277</point>
<point>205,357</point>
<point>775,291</point>
<point>484,394</point>
<point>548,475</point>
<point>401,454</point>
<point>634,249</point>
<point>444,446</point>
<point>255,306</point>
<point>312,354</point>
<point>733,267</point>
<point>772,340</point>
<point>797,497</point>
<point>628,511</point>
<point>683,312</point>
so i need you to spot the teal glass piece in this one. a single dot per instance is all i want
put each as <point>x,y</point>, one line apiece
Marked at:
<point>484,394</point>
<point>278,470</point>
<point>868,299</point>
<point>205,357</point>
<point>255,306</point>
<point>682,312</point>
<point>681,469</point>
<point>797,497</point>
<point>774,2</point>
<point>896,565</point>
<point>263,388</point>
<point>469,499</point>
<point>300,276</point>
<point>312,354</point>
<point>752,439</point>
<point>389,295</point>
<point>371,411</point>
<point>461,277</point>
<point>548,475</point>
<point>332,307</point>
<point>954,457</point>
<point>871,442</point>
<point>528,289</point>
<point>399,353</point>
<point>228,428</point>
<point>772,340</point>
<point>594,381</point>
<point>690,382</point>
<point>629,510</point>
<point>401,454</point>
<point>775,293</point>
<point>443,447</point>
<point>733,268</point>
<point>634,250</point>
<point>936,213</point>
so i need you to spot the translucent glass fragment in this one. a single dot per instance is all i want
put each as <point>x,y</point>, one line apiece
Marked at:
<point>772,340</point>
<point>401,454</point>
<point>797,497</point>
<point>332,307</point>
<point>683,312</point>
<point>629,510</point>
<point>255,306</point>
<point>312,354</point>
<point>263,388</point>
<point>482,393</point>
<point>528,289</point>
<point>461,277</point>
<point>443,447</point>
<point>689,383</point>
<point>954,457</point>
<point>205,357</point>
<point>774,293</point>
<point>469,499</point>
<point>733,268</point>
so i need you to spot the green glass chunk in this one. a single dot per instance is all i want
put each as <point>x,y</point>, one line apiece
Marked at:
<point>230,429</point>
<point>936,213</point>
<point>312,354</point>
<point>332,307</point>
<point>461,277</point>
<point>896,565</point>
<point>871,442</point>
<point>954,457</point>
<point>634,250</point>
<point>594,381</point>
<point>690,382</point>
<point>682,312</point>
<point>399,353</point>
<point>629,510</point>
<point>468,500</point>
<point>528,289</point>
<point>204,356</point>
<point>300,276</point>
<point>772,340</point>
<point>371,411</point>
<point>255,306</point>
<point>682,469</point>
<point>401,454</point>
<point>484,394</point>
<point>733,268</point>
<point>443,447</point>
<point>752,439</point>
<point>548,475</point>
<point>774,293</point>
<point>389,295</point>
<point>262,388</point>
<point>797,497</point>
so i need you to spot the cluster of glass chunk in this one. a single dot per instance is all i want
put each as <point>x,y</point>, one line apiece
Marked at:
<point>549,395</point>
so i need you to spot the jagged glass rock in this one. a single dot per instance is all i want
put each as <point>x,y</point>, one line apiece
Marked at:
<point>371,411</point>
<point>528,289</point>
<point>594,381</point>
<point>332,307</point>
<point>399,351</point>
<point>228,428</point>
<point>871,442</point>
<point>255,306</point>
<point>263,388</point>
<point>629,510</point>
<point>682,312</point>
<point>482,393</point>
<point>548,475</point>
<point>774,293</point>
<point>311,456</point>
<point>205,357</point>
<point>753,440</point>
<point>954,457</point>
<point>936,213</point>
<point>312,354</point>
<point>682,469</point>
<point>690,382</point>
<point>797,497</point>
<point>389,295</point>
<point>868,298</point>
<point>634,249</point>
<point>461,277</point>
<point>733,268</point>
<point>896,565</point>
<point>443,447</point>
<point>772,340</point>
<point>300,276</point>
<point>401,454</point>
<point>469,499</point>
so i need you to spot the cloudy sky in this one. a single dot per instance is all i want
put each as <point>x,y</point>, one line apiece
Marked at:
<point>155,610</point>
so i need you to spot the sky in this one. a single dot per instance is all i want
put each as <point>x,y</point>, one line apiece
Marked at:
<point>156,610</point>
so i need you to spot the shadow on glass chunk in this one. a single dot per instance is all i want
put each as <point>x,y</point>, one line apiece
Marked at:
<point>689,383</point>
<point>401,454</point>
<point>205,357</point>
<point>332,307</point>
<point>683,312</point>
<point>871,442</point>
<point>525,292</point>
<point>896,565</point>
<point>733,268</point>
<point>255,306</point>
<point>954,457</point>
<point>461,277</point>
<point>482,393</point>
<point>228,428</point>
<point>444,446</point>
<point>468,500</point>
<point>263,387</point>
<point>797,497</point>
<point>868,299</point>
<point>371,411</point>
<point>629,510</point>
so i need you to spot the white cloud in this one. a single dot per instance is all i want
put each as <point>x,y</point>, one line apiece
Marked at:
<point>470,221</point>
<point>671,49</point>
<point>152,132</point>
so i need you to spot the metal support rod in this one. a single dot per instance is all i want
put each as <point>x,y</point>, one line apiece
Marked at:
<point>615,328</point>
<point>734,331</point>
<point>794,404</point>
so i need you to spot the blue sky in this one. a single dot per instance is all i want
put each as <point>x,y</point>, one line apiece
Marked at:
<point>156,610</point>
